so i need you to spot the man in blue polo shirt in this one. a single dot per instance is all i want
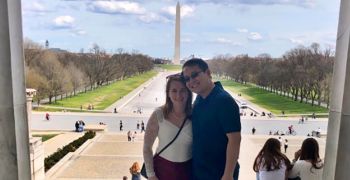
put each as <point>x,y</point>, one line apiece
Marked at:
<point>215,123</point>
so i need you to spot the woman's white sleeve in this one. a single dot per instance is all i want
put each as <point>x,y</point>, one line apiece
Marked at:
<point>295,171</point>
<point>151,134</point>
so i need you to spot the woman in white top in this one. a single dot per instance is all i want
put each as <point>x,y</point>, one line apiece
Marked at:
<point>271,163</point>
<point>307,162</point>
<point>174,163</point>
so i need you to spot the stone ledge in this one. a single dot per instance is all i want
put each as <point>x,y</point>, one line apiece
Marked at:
<point>97,127</point>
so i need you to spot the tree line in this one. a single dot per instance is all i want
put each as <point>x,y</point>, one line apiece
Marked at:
<point>55,73</point>
<point>302,73</point>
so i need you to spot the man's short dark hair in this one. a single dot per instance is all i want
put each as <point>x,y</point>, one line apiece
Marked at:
<point>196,62</point>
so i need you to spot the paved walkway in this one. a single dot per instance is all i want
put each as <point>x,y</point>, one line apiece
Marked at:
<point>126,99</point>
<point>111,155</point>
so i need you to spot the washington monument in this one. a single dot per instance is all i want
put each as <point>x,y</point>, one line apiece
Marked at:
<point>177,35</point>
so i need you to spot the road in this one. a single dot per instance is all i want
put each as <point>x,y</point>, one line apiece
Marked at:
<point>151,97</point>
<point>66,122</point>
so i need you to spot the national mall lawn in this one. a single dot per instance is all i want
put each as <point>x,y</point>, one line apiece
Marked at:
<point>105,96</point>
<point>271,101</point>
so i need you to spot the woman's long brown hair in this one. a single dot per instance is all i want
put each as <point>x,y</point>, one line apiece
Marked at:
<point>271,157</point>
<point>310,152</point>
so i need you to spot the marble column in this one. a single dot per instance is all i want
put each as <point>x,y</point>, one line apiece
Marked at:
<point>14,151</point>
<point>338,145</point>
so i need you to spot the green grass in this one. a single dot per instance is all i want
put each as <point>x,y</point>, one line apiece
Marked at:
<point>45,137</point>
<point>170,67</point>
<point>270,101</point>
<point>104,96</point>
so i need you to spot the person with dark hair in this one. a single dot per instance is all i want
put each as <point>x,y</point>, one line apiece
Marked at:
<point>174,163</point>
<point>142,126</point>
<point>253,130</point>
<point>76,126</point>
<point>47,116</point>
<point>120,125</point>
<point>216,125</point>
<point>285,145</point>
<point>135,171</point>
<point>271,163</point>
<point>307,162</point>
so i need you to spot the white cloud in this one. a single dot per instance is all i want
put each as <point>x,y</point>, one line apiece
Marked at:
<point>255,36</point>
<point>296,41</point>
<point>115,7</point>
<point>184,12</point>
<point>242,30</point>
<point>301,3</point>
<point>306,38</point>
<point>152,17</point>
<point>223,40</point>
<point>226,41</point>
<point>64,22</point>
<point>34,8</point>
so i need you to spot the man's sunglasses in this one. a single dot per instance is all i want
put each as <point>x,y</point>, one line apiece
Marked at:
<point>192,76</point>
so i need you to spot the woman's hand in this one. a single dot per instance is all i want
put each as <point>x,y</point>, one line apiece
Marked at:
<point>297,155</point>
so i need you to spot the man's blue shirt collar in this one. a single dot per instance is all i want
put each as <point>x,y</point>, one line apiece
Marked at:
<point>213,92</point>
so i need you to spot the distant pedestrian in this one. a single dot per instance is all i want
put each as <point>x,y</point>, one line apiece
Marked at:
<point>76,126</point>
<point>134,136</point>
<point>138,125</point>
<point>121,125</point>
<point>47,116</point>
<point>129,135</point>
<point>115,110</point>
<point>253,130</point>
<point>142,127</point>
<point>280,140</point>
<point>285,145</point>
<point>81,107</point>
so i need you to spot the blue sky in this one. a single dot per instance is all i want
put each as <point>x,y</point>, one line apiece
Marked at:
<point>208,27</point>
